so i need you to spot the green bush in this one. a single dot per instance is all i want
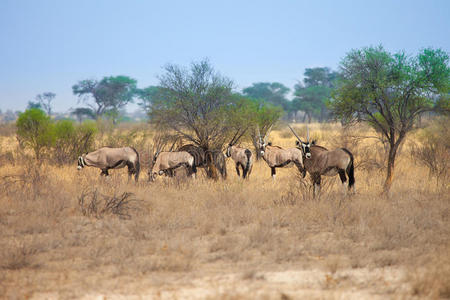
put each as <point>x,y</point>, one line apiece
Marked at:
<point>35,131</point>
<point>72,140</point>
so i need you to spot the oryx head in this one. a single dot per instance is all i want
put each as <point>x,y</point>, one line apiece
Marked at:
<point>239,133</point>
<point>262,141</point>
<point>81,162</point>
<point>305,147</point>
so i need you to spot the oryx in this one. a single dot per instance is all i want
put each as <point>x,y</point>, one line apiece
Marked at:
<point>166,162</point>
<point>242,157</point>
<point>277,157</point>
<point>107,158</point>
<point>320,161</point>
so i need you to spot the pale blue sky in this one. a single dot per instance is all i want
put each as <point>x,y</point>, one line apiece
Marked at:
<point>49,45</point>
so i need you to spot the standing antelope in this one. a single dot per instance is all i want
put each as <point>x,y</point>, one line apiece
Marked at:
<point>321,161</point>
<point>107,158</point>
<point>242,157</point>
<point>277,157</point>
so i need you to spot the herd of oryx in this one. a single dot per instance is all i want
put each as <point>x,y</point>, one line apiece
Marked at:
<point>307,157</point>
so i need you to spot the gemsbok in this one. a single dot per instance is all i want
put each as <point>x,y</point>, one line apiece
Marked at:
<point>277,157</point>
<point>108,158</point>
<point>242,157</point>
<point>322,161</point>
<point>165,162</point>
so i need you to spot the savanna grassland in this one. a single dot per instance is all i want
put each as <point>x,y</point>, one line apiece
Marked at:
<point>69,234</point>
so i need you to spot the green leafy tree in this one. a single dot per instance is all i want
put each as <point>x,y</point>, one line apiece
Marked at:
<point>34,104</point>
<point>146,97</point>
<point>272,92</point>
<point>389,91</point>
<point>35,131</point>
<point>83,113</point>
<point>312,94</point>
<point>108,95</point>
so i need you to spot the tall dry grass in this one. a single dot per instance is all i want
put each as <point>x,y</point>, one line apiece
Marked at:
<point>76,233</point>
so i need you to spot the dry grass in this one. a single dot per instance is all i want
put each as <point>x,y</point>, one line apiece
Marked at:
<point>75,233</point>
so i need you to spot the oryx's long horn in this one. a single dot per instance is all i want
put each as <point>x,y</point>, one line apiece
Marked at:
<point>307,133</point>
<point>233,140</point>
<point>257,129</point>
<point>294,133</point>
<point>171,148</point>
<point>267,133</point>
<point>242,133</point>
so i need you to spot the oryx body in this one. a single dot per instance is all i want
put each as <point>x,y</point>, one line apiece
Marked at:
<point>107,158</point>
<point>277,157</point>
<point>319,161</point>
<point>166,162</point>
<point>242,157</point>
<point>330,163</point>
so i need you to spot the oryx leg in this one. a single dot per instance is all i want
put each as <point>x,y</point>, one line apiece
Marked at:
<point>237,170</point>
<point>316,181</point>
<point>273,173</point>
<point>104,172</point>
<point>244,172</point>
<point>343,180</point>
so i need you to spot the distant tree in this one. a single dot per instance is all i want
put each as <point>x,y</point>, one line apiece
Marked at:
<point>35,130</point>
<point>45,100</point>
<point>83,113</point>
<point>146,97</point>
<point>34,104</point>
<point>271,92</point>
<point>312,94</point>
<point>389,91</point>
<point>109,94</point>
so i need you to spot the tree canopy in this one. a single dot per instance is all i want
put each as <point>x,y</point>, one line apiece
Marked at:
<point>312,94</point>
<point>108,95</point>
<point>389,91</point>
<point>272,92</point>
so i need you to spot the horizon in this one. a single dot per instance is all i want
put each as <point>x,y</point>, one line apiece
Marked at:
<point>48,46</point>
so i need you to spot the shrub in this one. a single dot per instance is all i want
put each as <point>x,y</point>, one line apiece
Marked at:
<point>434,150</point>
<point>35,131</point>
<point>72,140</point>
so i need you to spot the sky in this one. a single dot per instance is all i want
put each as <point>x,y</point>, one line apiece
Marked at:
<point>49,45</point>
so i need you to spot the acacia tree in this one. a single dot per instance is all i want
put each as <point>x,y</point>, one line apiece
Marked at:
<point>390,91</point>
<point>109,95</point>
<point>194,104</point>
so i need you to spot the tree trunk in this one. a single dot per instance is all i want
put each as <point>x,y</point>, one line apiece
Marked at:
<point>393,147</point>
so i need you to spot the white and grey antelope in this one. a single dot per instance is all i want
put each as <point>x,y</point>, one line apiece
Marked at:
<point>108,158</point>
<point>165,162</point>
<point>242,157</point>
<point>277,157</point>
<point>320,161</point>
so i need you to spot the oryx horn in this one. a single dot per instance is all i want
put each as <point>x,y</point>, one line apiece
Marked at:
<point>294,133</point>
<point>307,133</point>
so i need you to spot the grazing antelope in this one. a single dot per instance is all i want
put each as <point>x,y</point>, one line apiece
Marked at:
<point>320,161</point>
<point>166,162</point>
<point>242,157</point>
<point>107,158</point>
<point>277,157</point>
